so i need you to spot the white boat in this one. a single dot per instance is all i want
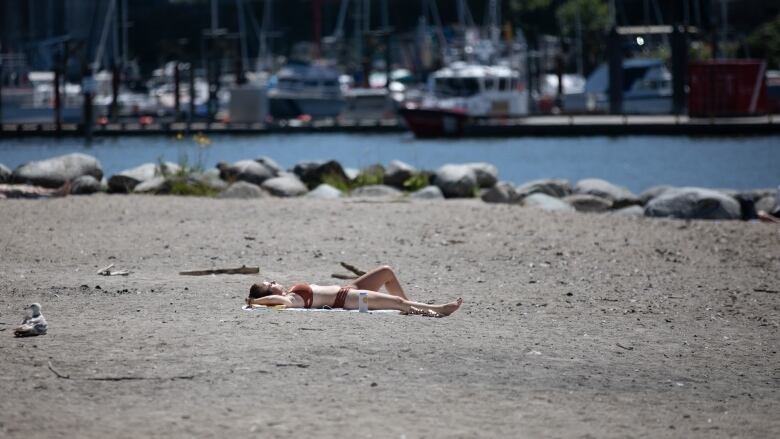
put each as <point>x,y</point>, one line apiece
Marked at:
<point>647,89</point>
<point>302,89</point>
<point>461,93</point>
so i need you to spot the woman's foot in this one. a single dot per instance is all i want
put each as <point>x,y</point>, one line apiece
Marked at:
<point>449,308</point>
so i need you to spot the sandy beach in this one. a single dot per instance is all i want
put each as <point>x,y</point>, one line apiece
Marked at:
<point>573,325</point>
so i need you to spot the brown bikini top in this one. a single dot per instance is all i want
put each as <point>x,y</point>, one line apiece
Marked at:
<point>305,292</point>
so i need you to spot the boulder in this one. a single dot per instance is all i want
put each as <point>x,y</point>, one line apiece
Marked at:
<point>487,174</point>
<point>546,202</point>
<point>128,179</point>
<point>653,192</point>
<point>155,185</point>
<point>313,173</point>
<point>249,171</point>
<point>286,185</point>
<point>630,211</point>
<point>428,193</point>
<point>502,192</point>
<point>397,172</point>
<point>694,203</point>
<point>588,203</point>
<point>376,190</point>
<point>325,192</point>
<point>54,172</point>
<point>767,204</point>
<point>270,164</point>
<point>618,195</point>
<point>456,181</point>
<point>554,187</point>
<point>243,190</point>
<point>210,178</point>
<point>85,185</point>
<point>5,174</point>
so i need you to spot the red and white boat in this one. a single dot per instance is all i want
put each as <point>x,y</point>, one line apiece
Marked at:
<point>462,94</point>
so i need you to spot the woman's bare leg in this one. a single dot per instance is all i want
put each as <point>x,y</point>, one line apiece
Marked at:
<point>378,301</point>
<point>381,277</point>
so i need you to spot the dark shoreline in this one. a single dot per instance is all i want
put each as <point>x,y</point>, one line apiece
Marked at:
<point>532,126</point>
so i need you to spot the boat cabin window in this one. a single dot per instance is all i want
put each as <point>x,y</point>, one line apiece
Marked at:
<point>456,87</point>
<point>631,75</point>
<point>503,84</point>
<point>490,84</point>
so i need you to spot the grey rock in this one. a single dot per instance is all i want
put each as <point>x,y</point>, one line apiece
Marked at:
<point>54,172</point>
<point>397,172</point>
<point>588,203</point>
<point>630,211</point>
<point>128,179</point>
<point>767,204</point>
<point>325,192</point>
<point>249,171</point>
<point>312,173</point>
<point>487,174</point>
<point>376,190</point>
<point>546,202</point>
<point>270,164</point>
<point>243,190</point>
<point>693,203</point>
<point>154,185</point>
<point>653,192</point>
<point>85,185</point>
<point>456,181</point>
<point>287,185</point>
<point>554,187</point>
<point>210,179</point>
<point>5,174</point>
<point>502,192</point>
<point>428,193</point>
<point>620,196</point>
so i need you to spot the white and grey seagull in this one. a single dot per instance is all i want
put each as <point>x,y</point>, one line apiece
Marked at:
<point>33,324</point>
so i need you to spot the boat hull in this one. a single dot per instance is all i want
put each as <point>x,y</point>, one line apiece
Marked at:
<point>434,122</point>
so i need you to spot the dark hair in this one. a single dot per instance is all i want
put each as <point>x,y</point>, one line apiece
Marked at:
<point>256,291</point>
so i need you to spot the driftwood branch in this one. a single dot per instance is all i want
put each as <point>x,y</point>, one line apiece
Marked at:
<point>108,272</point>
<point>242,270</point>
<point>353,269</point>
<point>119,378</point>
<point>59,375</point>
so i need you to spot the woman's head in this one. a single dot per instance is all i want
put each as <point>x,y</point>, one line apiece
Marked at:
<point>264,289</point>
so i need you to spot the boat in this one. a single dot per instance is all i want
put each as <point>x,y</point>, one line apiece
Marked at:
<point>301,89</point>
<point>647,89</point>
<point>462,94</point>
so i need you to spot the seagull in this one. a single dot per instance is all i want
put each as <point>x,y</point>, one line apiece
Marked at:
<point>34,324</point>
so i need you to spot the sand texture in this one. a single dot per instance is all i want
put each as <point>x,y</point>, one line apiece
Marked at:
<point>573,325</point>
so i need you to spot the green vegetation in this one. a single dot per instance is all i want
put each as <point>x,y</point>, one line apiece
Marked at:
<point>190,187</point>
<point>337,181</point>
<point>185,180</point>
<point>417,182</point>
<point>764,43</point>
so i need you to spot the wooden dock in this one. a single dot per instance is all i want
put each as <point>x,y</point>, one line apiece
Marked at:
<point>555,126</point>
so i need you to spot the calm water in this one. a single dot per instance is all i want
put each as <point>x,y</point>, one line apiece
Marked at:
<point>637,162</point>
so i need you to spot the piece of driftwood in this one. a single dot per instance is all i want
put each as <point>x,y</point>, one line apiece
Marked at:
<point>107,271</point>
<point>343,276</point>
<point>242,270</point>
<point>353,269</point>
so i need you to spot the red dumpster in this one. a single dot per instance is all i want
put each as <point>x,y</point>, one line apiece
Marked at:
<point>727,87</point>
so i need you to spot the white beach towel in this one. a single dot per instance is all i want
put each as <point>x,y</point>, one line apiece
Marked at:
<point>262,308</point>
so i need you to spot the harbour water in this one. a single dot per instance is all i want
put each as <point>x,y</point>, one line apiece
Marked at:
<point>637,162</point>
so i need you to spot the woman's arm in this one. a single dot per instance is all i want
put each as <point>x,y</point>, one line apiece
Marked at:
<point>272,300</point>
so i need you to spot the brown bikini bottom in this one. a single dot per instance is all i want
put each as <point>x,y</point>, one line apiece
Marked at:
<point>341,297</point>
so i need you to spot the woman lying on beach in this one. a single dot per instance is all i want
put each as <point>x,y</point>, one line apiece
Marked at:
<point>346,297</point>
